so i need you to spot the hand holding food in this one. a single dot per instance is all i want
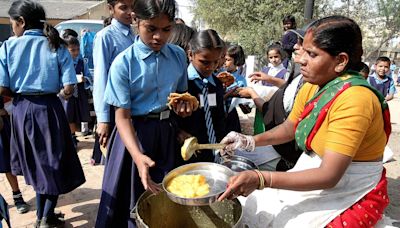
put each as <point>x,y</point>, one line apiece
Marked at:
<point>226,78</point>
<point>176,99</point>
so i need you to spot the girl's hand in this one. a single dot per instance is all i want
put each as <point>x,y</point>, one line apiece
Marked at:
<point>103,131</point>
<point>143,164</point>
<point>259,76</point>
<point>242,184</point>
<point>183,108</point>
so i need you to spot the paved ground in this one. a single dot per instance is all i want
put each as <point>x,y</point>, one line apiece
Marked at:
<point>80,206</point>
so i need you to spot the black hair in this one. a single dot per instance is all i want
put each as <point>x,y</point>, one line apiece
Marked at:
<point>35,18</point>
<point>71,40</point>
<point>278,48</point>
<point>148,9</point>
<point>206,39</point>
<point>236,52</point>
<point>69,32</point>
<point>290,18</point>
<point>383,59</point>
<point>112,2</point>
<point>107,21</point>
<point>328,35</point>
<point>365,68</point>
<point>179,21</point>
<point>181,35</point>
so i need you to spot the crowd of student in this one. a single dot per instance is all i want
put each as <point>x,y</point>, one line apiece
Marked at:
<point>134,73</point>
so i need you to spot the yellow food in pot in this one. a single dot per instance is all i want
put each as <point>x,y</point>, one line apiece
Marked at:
<point>189,186</point>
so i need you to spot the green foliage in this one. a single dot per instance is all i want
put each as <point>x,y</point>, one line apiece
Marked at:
<point>378,19</point>
<point>251,23</point>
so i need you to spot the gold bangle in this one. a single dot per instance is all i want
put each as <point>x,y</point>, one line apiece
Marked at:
<point>261,179</point>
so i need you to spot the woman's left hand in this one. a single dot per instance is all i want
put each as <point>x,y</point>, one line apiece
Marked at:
<point>242,184</point>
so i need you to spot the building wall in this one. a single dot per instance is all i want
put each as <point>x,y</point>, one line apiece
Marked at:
<point>98,12</point>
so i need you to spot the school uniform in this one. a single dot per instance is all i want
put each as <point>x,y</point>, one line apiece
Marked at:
<point>385,86</point>
<point>275,71</point>
<point>5,133</point>
<point>77,107</point>
<point>41,144</point>
<point>141,81</point>
<point>108,43</point>
<point>196,123</point>
<point>232,117</point>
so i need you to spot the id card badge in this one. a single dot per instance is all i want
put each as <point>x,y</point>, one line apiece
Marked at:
<point>79,78</point>
<point>212,100</point>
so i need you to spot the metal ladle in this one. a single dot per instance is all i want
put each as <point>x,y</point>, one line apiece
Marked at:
<point>190,146</point>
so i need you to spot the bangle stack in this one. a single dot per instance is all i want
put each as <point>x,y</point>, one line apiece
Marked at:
<point>270,179</point>
<point>261,179</point>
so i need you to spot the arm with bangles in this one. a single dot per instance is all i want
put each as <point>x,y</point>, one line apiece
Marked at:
<point>326,176</point>
<point>128,135</point>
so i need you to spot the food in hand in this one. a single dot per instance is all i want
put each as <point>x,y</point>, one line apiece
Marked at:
<point>189,186</point>
<point>175,98</point>
<point>226,78</point>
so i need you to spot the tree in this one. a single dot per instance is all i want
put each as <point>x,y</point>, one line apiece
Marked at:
<point>251,23</point>
<point>378,19</point>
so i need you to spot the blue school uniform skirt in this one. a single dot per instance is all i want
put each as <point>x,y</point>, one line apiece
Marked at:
<point>5,133</point>
<point>41,145</point>
<point>77,108</point>
<point>122,186</point>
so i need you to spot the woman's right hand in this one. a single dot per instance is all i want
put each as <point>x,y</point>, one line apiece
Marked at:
<point>143,163</point>
<point>236,141</point>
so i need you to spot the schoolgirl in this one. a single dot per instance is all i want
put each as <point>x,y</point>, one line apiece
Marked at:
<point>77,106</point>
<point>206,48</point>
<point>273,75</point>
<point>275,68</point>
<point>142,147</point>
<point>108,43</point>
<point>234,60</point>
<point>33,66</point>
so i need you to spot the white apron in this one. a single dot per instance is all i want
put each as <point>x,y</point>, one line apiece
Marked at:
<point>286,208</point>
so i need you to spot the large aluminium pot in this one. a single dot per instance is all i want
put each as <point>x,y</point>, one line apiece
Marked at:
<point>154,211</point>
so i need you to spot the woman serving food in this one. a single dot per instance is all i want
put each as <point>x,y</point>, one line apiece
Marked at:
<point>341,123</point>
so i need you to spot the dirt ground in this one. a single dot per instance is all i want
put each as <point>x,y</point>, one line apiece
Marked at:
<point>393,167</point>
